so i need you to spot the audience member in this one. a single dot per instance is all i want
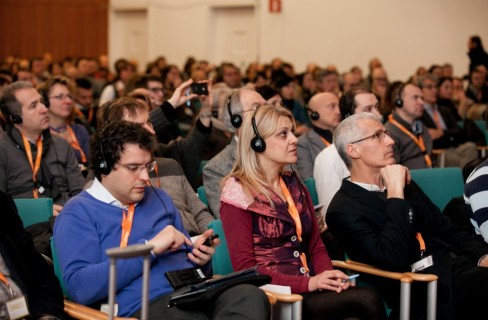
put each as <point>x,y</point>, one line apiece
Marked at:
<point>477,89</point>
<point>443,128</point>
<point>239,105</point>
<point>85,108</point>
<point>268,219</point>
<point>382,218</point>
<point>57,93</point>
<point>33,163</point>
<point>25,273</point>
<point>327,81</point>
<point>325,115</point>
<point>476,200</point>
<point>169,175</point>
<point>124,71</point>
<point>329,169</point>
<point>413,146</point>
<point>90,223</point>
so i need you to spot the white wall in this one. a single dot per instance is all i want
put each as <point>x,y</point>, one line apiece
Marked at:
<point>403,34</point>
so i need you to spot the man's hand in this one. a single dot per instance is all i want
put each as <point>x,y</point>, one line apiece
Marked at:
<point>179,96</point>
<point>202,254</point>
<point>168,239</point>
<point>57,209</point>
<point>395,177</point>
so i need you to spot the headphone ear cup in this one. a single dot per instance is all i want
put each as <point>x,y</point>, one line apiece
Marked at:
<point>103,167</point>
<point>236,121</point>
<point>15,118</point>
<point>399,102</point>
<point>314,116</point>
<point>258,144</point>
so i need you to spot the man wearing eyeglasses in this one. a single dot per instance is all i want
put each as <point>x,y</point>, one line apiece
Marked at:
<point>382,218</point>
<point>120,209</point>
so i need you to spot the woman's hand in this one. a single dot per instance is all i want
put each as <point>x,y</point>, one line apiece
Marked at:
<point>334,280</point>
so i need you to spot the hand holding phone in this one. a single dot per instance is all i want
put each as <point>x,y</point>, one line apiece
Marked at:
<point>200,89</point>
<point>210,240</point>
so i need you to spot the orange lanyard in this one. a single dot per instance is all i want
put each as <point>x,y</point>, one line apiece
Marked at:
<point>419,141</point>
<point>327,143</point>
<point>127,219</point>
<point>7,284</point>
<point>421,241</point>
<point>436,118</point>
<point>81,115</point>
<point>76,145</point>
<point>35,168</point>
<point>292,209</point>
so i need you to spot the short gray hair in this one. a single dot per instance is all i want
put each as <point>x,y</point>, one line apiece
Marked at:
<point>348,131</point>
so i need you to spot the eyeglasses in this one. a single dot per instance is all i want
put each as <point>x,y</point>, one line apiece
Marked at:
<point>430,86</point>
<point>138,169</point>
<point>378,135</point>
<point>61,97</point>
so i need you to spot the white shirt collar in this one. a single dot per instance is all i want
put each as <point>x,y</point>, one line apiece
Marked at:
<point>99,192</point>
<point>367,186</point>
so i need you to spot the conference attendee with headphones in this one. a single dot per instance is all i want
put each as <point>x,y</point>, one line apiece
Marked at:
<point>269,222</point>
<point>57,93</point>
<point>169,174</point>
<point>119,210</point>
<point>325,116</point>
<point>413,144</point>
<point>240,104</point>
<point>34,163</point>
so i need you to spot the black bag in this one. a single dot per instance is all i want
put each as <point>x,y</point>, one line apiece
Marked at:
<point>198,295</point>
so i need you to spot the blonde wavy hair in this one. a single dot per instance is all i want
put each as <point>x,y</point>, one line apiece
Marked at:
<point>247,168</point>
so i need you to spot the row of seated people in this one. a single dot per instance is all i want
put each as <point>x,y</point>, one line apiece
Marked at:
<point>251,136</point>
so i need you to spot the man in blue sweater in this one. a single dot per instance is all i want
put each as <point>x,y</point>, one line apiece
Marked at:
<point>119,209</point>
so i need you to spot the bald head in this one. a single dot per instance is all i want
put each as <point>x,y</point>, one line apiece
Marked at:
<point>326,105</point>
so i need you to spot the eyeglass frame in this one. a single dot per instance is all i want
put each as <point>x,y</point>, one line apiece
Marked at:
<point>380,135</point>
<point>61,97</point>
<point>135,169</point>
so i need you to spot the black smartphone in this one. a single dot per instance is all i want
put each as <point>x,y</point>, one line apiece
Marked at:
<point>199,88</point>
<point>209,241</point>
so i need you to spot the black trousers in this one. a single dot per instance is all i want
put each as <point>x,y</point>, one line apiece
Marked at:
<point>239,302</point>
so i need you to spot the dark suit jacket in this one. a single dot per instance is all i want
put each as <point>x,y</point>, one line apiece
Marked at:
<point>382,233</point>
<point>453,135</point>
<point>29,269</point>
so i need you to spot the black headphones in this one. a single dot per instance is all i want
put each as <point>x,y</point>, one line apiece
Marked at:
<point>399,100</point>
<point>9,116</point>
<point>107,113</point>
<point>314,115</point>
<point>103,166</point>
<point>235,119</point>
<point>257,143</point>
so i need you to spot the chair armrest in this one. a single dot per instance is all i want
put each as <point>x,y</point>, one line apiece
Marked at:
<point>283,297</point>
<point>402,276</point>
<point>82,312</point>
<point>272,299</point>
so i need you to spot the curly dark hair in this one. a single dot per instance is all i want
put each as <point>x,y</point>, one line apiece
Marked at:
<point>108,144</point>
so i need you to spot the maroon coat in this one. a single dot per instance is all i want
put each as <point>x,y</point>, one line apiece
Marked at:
<point>259,235</point>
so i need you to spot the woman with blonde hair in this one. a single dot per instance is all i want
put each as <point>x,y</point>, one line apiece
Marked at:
<point>269,221</point>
